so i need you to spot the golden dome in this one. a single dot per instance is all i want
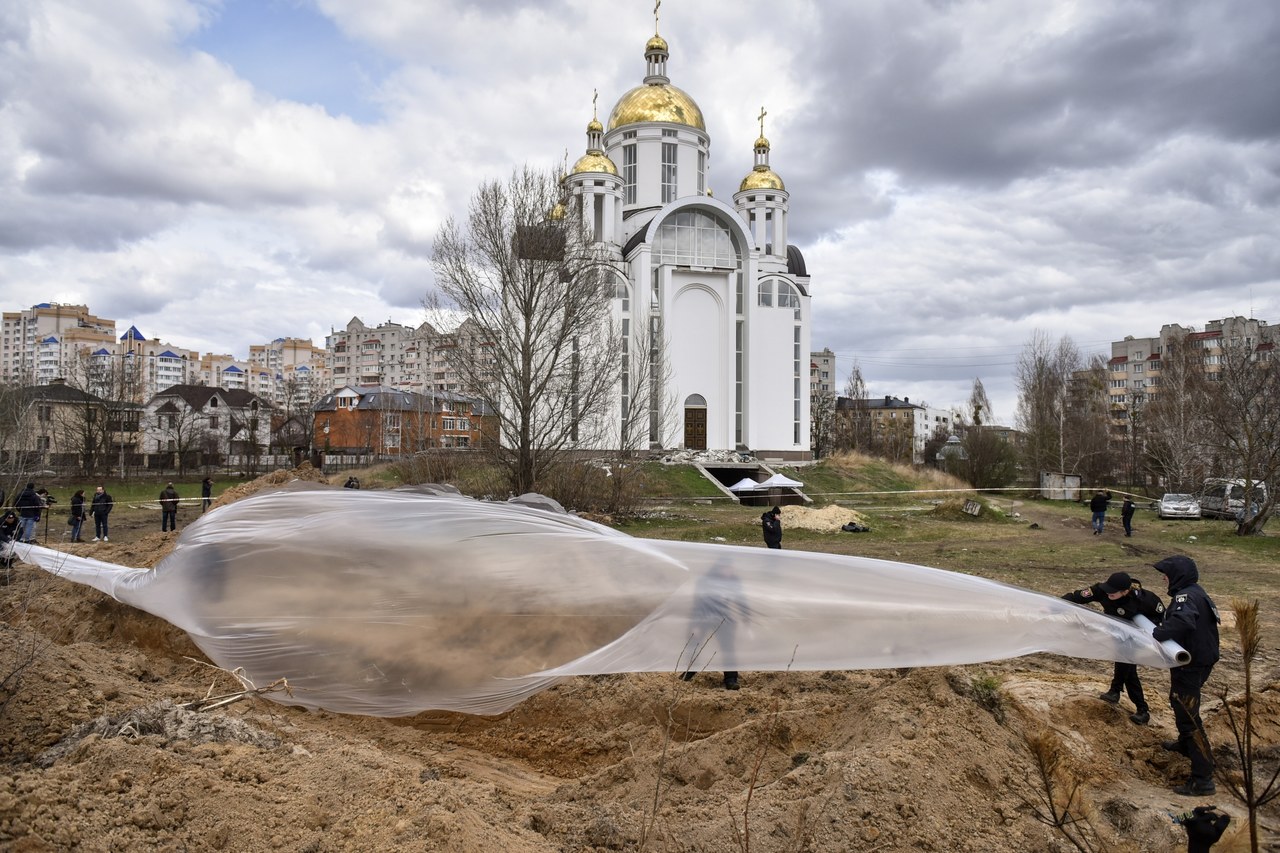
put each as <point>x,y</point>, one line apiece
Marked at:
<point>762,178</point>
<point>557,213</point>
<point>594,161</point>
<point>594,126</point>
<point>661,102</point>
<point>762,143</point>
<point>655,43</point>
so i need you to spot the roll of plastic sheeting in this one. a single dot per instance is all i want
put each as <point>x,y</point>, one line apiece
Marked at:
<point>1180,656</point>
<point>389,603</point>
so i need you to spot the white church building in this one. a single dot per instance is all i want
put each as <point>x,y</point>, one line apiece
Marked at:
<point>731,295</point>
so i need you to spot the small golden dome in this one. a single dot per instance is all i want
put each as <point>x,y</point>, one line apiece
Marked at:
<point>594,161</point>
<point>594,126</point>
<point>656,43</point>
<point>762,143</point>
<point>762,178</point>
<point>557,213</point>
<point>661,102</point>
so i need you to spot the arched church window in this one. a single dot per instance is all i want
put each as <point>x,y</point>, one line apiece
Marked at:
<point>788,298</point>
<point>765,294</point>
<point>695,238</point>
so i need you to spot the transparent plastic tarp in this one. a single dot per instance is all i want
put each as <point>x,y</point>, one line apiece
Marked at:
<point>389,603</point>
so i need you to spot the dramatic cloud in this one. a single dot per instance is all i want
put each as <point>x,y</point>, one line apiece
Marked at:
<point>222,172</point>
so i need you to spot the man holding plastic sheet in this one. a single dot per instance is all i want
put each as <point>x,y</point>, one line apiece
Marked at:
<point>771,522</point>
<point>1123,597</point>
<point>1192,622</point>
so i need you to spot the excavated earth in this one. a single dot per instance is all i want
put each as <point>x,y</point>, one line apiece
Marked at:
<point>100,755</point>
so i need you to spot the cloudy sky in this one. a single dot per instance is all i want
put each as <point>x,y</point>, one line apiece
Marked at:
<point>225,172</point>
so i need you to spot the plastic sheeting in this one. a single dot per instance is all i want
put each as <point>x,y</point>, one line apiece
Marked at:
<point>389,603</point>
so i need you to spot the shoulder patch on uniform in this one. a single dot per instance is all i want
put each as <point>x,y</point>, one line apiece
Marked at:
<point>1180,598</point>
<point>1120,611</point>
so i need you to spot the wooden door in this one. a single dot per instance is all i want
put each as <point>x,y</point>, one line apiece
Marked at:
<point>695,428</point>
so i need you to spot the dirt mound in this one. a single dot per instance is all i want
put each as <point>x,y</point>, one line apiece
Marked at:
<point>827,519</point>
<point>270,481</point>
<point>98,757</point>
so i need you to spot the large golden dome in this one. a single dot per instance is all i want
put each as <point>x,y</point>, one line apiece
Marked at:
<point>762,178</point>
<point>660,102</point>
<point>594,161</point>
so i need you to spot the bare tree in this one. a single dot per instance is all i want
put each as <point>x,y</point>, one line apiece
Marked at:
<point>1175,438</point>
<point>1086,428</point>
<point>988,461</point>
<point>16,439</point>
<point>1240,406</point>
<point>103,424</point>
<point>1042,375</point>
<point>539,292</point>
<point>822,423</point>
<point>180,428</point>
<point>853,424</point>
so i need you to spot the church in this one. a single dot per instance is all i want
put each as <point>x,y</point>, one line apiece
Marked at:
<point>729,295</point>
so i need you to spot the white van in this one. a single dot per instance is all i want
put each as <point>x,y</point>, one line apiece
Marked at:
<point>1223,498</point>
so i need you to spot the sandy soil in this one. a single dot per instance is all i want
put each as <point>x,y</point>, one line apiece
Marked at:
<point>100,757</point>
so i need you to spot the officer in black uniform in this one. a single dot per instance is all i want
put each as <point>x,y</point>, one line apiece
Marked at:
<point>1191,622</point>
<point>1124,597</point>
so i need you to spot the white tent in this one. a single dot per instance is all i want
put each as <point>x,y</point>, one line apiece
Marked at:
<point>745,485</point>
<point>780,481</point>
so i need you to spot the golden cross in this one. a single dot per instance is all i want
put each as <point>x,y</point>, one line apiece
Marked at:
<point>762,115</point>
<point>595,95</point>
<point>657,4</point>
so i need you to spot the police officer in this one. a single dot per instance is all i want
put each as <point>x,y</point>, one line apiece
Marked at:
<point>1191,622</point>
<point>771,523</point>
<point>1124,597</point>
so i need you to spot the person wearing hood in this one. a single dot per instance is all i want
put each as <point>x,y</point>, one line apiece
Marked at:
<point>1191,621</point>
<point>771,522</point>
<point>1123,597</point>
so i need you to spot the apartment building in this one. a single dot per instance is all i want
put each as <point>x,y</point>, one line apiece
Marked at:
<point>822,372</point>
<point>42,343</point>
<point>1135,367</point>
<point>290,372</point>
<point>897,424</point>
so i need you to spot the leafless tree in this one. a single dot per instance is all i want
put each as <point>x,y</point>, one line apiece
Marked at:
<point>1042,375</point>
<point>16,439</point>
<point>988,461</point>
<point>539,292</point>
<point>180,428</point>
<point>1240,406</point>
<point>1175,439</point>
<point>1086,432</point>
<point>822,423</point>
<point>853,424</point>
<point>104,423</point>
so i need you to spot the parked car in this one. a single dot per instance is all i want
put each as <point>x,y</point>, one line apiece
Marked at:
<point>1178,506</point>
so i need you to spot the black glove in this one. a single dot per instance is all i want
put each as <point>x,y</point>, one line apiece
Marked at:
<point>1204,826</point>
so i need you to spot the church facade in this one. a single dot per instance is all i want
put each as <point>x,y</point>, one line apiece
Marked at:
<point>716,282</point>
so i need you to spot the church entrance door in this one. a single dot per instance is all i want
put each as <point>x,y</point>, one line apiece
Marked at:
<point>695,428</point>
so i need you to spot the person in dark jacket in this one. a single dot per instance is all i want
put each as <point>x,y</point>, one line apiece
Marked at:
<point>168,508</point>
<point>1098,506</point>
<point>771,522</point>
<point>100,507</point>
<point>206,493</point>
<point>77,515</point>
<point>29,506</point>
<point>1123,597</point>
<point>1126,515</point>
<point>1192,622</point>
